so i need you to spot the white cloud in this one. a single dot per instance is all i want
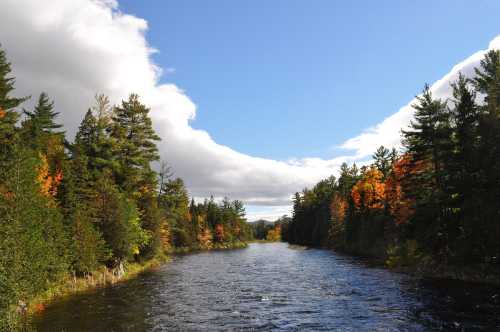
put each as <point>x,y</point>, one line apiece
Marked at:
<point>74,49</point>
<point>388,131</point>
<point>270,213</point>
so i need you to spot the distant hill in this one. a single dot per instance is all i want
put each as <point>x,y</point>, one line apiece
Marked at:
<point>262,226</point>
<point>261,221</point>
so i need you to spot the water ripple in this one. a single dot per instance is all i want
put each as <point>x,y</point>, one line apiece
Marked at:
<point>272,287</point>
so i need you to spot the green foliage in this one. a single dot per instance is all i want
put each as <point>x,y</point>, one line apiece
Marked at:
<point>89,248</point>
<point>403,255</point>
<point>40,124</point>
<point>438,199</point>
<point>73,207</point>
<point>133,144</point>
<point>261,228</point>
<point>118,219</point>
<point>8,114</point>
<point>34,242</point>
<point>180,238</point>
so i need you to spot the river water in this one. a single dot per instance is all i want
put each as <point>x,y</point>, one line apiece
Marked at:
<point>275,287</point>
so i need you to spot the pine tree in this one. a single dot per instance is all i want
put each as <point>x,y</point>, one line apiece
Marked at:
<point>134,144</point>
<point>463,170</point>
<point>382,160</point>
<point>86,136</point>
<point>487,82</point>
<point>43,116</point>
<point>428,143</point>
<point>8,113</point>
<point>40,128</point>
<point>118,219</point>
<point>33,240</point>
<point>92,137</point>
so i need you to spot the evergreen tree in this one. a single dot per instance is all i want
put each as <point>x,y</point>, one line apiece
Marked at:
<point>382,160</point>
<point>428,143</point>
<point>134,144</point>
<point>463,170</point>
<point>33,240</point>
<point>487,82</point>
<point>118,220</point>
<point>8,113</point>
<point>92,137</point>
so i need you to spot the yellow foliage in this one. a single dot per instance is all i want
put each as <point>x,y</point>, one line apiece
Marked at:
<point>274,234</point>
<point>48,182</point>
<point>370,190</point>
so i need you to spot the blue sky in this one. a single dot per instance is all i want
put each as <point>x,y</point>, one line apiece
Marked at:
<point>281,79</point>
<point>276,85</point>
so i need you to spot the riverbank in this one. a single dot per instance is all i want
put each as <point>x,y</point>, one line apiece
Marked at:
<point>103,277</point>
<point>275,286</point>
<point>262,241</point>
<point>214,246</point>
<point>22,314</point>
<point>479,274</point>
<point>424,267</point>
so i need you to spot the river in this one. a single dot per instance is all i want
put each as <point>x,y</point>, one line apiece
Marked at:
<point>275,287</point>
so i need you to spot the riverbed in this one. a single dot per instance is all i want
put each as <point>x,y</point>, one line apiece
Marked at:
<point>274,287</point>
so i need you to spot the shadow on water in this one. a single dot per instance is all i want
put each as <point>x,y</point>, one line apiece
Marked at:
<point>274,287</point>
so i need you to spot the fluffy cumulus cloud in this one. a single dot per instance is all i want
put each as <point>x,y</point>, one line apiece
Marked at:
<point>388,131</point>
<point>74,49</point>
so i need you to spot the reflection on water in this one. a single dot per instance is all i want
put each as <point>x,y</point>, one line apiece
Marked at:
<point>274,287</point>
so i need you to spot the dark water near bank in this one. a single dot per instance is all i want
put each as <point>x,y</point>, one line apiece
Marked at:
<point>274,287</point>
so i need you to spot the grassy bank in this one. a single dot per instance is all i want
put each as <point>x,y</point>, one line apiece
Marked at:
<point>103,277</point>
<point>19,316</point>
<point>214,246</point>
<point>263,241</point>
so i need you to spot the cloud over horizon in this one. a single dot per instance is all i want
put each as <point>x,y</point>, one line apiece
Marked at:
<point>75,49</point>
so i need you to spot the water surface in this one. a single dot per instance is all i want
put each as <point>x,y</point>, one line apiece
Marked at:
<point>273,287</point>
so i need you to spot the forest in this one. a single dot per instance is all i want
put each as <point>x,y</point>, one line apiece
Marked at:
<point>269,231</point>
<point>436,202</point>
<point>68,209</point>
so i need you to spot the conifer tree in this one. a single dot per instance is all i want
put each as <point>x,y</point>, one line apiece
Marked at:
<point>8,113</point>
<point>487,82</point>
<point>134,144</point>
<point>382,160</point>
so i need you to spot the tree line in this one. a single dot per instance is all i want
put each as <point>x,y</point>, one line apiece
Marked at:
<point>269,231</point>
<point>69,208</point>
<point>436,201</point>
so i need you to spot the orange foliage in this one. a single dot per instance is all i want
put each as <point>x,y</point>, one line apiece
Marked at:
<point>39,307</point>
<point>338,208</point>
<point>165,235</point>
<point>2,113</point>
<point>219,233</point>
<point>274,234</point>
<point>6,193</point>
<point>400,206</point>
<point>48,182</point>
<point>369,191</point>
